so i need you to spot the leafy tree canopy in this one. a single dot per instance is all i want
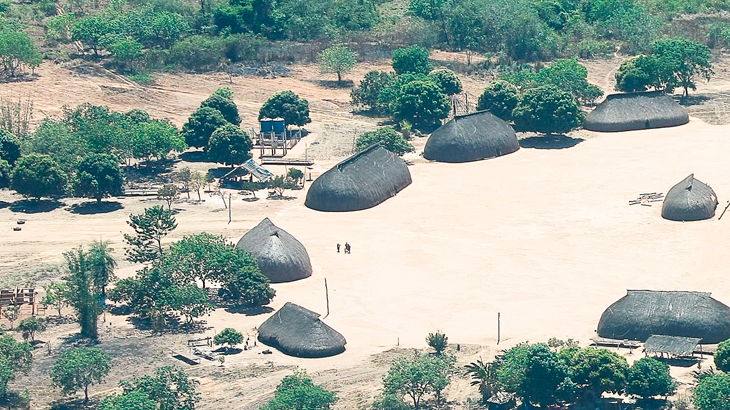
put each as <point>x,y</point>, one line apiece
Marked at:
<point>649,377</point>
<point>446,79</point>
<point>287,105</point>
<point>388,138</point>
<point>337,59</point>
<point>98,176</point>
<point>297,391</point>
<point>712,392</point>
<point>222,100</point>
<point>549,110</point>
<point>9,147</point>
<point>149,229</point>
<point>500,98</point>
<point>413,59</point>
<point>367,93</point>
<point>77,369</point>
<point>422,104</point>
<point>230,145</point>
<point>37,176</point>
<point>228,336</point>
<point>201,125</point>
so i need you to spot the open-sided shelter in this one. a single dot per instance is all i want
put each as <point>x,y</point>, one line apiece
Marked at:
<point>674,346</point>
<point>471,137</point>
<point>280,256</point>
<point>359,182</point>
<point>636,111</point>
<point>299,332</point>
<point>689,200</point>
<point>643,313</point>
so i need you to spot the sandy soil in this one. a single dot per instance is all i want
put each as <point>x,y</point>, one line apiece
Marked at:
<point>543,236</point>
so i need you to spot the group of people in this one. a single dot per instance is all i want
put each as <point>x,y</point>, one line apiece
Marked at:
<point>348,248</point>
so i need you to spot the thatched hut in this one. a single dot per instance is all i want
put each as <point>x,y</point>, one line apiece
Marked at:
<point>643,313</point>
<point>689,200</point>
<point>361,181</point>
<point>636,111</point>
<point>280,256</point>
<point>471,137</point>
<point>296,331</point>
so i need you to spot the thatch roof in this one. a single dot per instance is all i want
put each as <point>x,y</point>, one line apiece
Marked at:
<point>280,256</point>
<point>642,313</point>
<point>689,200</point>
<point>471,137</point>
<point>674,345</point>
<point>636,111</point>
<point>359,182</point>
<point>296,331</point>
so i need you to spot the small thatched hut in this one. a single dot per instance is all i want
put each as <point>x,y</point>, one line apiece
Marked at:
<point>280,256</point>
<point>296,331</point>
<point>643,313</point>
<point>359,182</point>
<point>689,200</point>
<point>471,137</point>
<point>636,111</point>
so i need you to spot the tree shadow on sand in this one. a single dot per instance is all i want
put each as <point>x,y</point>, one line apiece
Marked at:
<point>250,310</point>
<point>550,142</point>
<point>29,206</point>
<point>692,100</point>
<point>74,403</point>
<point>173,326</point>
<point>93,207</point>
<point>333,84</point>
<point>194,156</point>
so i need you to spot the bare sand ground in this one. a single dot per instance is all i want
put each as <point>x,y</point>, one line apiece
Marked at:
<point>544,236</point>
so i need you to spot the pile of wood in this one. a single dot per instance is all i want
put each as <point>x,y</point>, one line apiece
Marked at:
<point>647,198</point>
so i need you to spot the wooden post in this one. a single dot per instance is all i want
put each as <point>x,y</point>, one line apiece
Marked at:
<point>499,327</point>
<point>723,212</point>
<point>327,297</point>
<point>230,205</point>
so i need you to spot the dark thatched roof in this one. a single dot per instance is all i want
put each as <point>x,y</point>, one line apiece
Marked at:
<point>642,313</point>
<point>689,200</point>
<point>296,331</point>
<point>636,111</point>
<point>674,345</point>
<point>359,182</point>
<point>471,137</point>
<point>280,256</point>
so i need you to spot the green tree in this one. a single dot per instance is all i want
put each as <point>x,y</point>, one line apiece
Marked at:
<point>336,59</point>
<point>413,59</point>
<point>688,59</point>
<point>722,356</point>
<point>31,326</point>
<point>155,139</point>
<point>230,145</point>
<point>295,174</point>
<point>222,100</point>
<point>438,341</point>
<point>228,336</point>
<point>546,377</point>
<point>84,293</point>
<point>80,368</point>
<point>14,356</point>
<point>643,72</point>
<point>422,104</point>
<point>390,93</point>
<point>446,79</point>
<point>11,313</point>
<point>570,75</point>
<point>500,98</point>
<point>9,147</point>
<point>484,375</point>
<point>367,93</point>
<point>549,110</point>
<point>598,371</point>
<point>244,282</point>
<point>388,138</point>
<point>649,377</point>
<point>90,30</point>
<point>16,49</point>
<point>54,138</point>
<point>102,264</point>
<point>280,183</point>
<point>415,377</point>
<point>98,176</point>
<point>57,295</point>
<point>712,392</point>
<point>297,391</point>
<point>169,388</point>
<point>437,11</point>
<point>128,52</point>
<point>201,125</point>
<point>37,176</point>
<point>149,229</point>
<point>168,193</point>
<point>201,257</point>
<point>5,172</point>
<point>134,399</point>
<point>287,105</point>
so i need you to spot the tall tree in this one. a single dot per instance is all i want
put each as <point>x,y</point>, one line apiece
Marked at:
<point>287,105</point>
<point>102,264</point>
<point>688,59</point>
<point>337,59</point>
<point>548,109</point>
<point>9,147</point>
<point>413,59</point>
<point>421,103</point>
<point>149,229</point>
<point>169,387</point>
<point>84,291</point>
<point>201,257</point>
<point>37,176</point>
<point>230,145</point>
<point>201,125</point>
<point>222,100</point>
<point>98,176</point>
<point>79,369</point>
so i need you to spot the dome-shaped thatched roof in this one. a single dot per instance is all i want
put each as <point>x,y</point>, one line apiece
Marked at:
<point>636,111</point>
<point>642,313</point>
<point>359,182</point>
<point>297,331</point>
<point>689,200</point>
<point>280,256</point>
<point>471,137</point>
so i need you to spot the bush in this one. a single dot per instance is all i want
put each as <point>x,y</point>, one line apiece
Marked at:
<point>367,93</point>
<point>388,138</point>
<point>722,356</point>
<point>297,391</point>
<point>413,60</point>
<point>500,98</point>
<point>37,176</point>
<point>228,336</point>
<point>422,104</point>
<point>649,377</point>
<point>598,370</point>
<point>712,392</point>
<point>438,341</point>
<point>197,53</point>
<point>446,79</point>
<point>549,110</point>
<point>31,326</point>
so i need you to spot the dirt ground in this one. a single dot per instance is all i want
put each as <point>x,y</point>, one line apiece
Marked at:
<point>544,236</point>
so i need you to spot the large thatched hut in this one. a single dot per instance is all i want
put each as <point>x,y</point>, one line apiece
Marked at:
<point>689,200</point>
<point>359,182</point>
<point>280,256</point>
<point>471,137</point>
<point>636,111</point>
<point>642,313</point>
<point>297,331</point>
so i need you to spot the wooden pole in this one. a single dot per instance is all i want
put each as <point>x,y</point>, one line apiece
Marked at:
<point>499,327</point>
<point>230,205</point>
<point>723,212</point>
<point>327,297</point>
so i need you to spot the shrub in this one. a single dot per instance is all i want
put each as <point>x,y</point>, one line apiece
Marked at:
<point>649,377</point>
<point>438,341</point>
<point>446,79</point>
<point>413,60</point>
<point>722,356</point>
<point>549,110</point>
<point>37,176</point>
<point>500,98</point>
<point>422,104</point>
<point>228,336</point>
<point>367,93</point>
<point>388,138</point>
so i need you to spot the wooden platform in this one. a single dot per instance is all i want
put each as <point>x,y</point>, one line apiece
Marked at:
<point>285,161</point>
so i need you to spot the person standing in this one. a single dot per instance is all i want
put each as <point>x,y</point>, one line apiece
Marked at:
<point>338,247</point>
